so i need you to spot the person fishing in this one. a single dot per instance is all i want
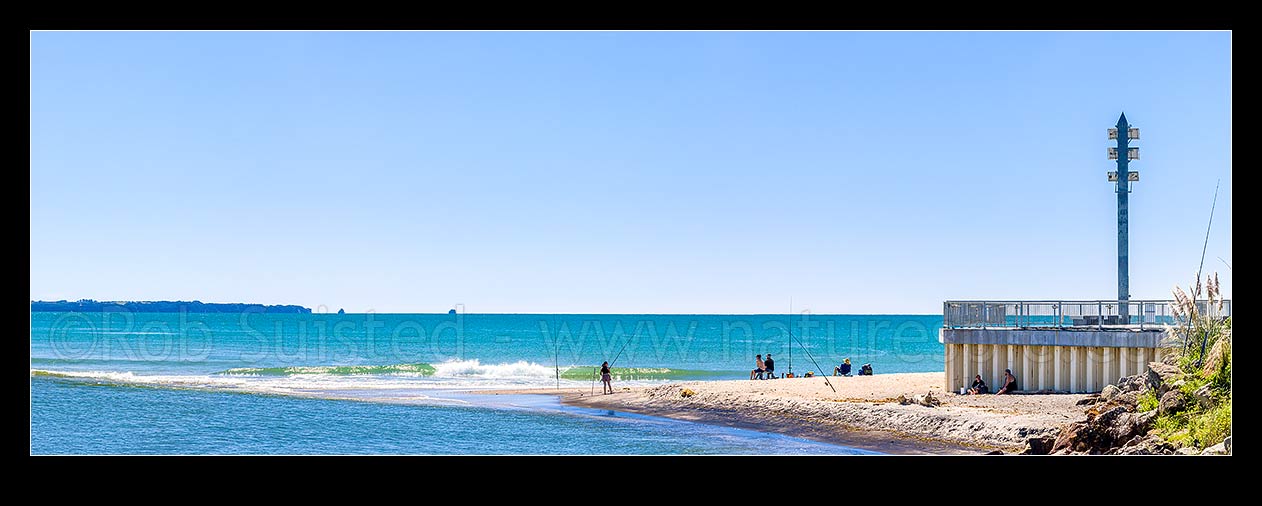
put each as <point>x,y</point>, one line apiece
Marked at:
<point>606,378</point>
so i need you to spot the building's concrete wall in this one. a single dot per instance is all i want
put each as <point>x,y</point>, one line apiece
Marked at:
<point>1062,361</point>
<point>1053,337</point>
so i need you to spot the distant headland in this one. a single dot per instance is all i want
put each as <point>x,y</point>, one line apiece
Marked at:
<point>161,306</point>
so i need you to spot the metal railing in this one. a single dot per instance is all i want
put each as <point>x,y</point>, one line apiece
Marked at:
<point>1071,314</point>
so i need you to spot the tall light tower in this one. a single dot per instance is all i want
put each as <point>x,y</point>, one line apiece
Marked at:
<point>1123,178</point>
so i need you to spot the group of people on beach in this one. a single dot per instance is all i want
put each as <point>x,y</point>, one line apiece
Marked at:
<point>979,386</point>
<point>763,369</point>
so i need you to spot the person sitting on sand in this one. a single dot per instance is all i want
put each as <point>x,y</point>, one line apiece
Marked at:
<point>605,378</point>
<point>843,369</point>
<point>865,370</point>
<point>771,367</point>
<point>978,387</point>
<point>1009,383</point>
<point>759,368</point>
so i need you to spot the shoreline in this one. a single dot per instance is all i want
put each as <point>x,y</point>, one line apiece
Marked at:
<point>863,413</point>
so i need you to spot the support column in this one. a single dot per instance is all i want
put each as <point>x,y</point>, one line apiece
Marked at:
<point>1058,380</point>
<point>997,366</point>
<point>1075,366</point>
<point>1092,362</point>
<point>1028,371</point>
<point>1124,362</point>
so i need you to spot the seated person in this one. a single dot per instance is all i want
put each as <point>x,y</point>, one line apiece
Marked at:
<point>865,370</point>
<point>1009,383</point>
<point>809,374</point>
<point>759,368</point>
<point>978,387</point>
<point>770,364</point>
<point>843,369</point>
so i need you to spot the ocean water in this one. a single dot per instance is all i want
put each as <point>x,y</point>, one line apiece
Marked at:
<point>172,383</point>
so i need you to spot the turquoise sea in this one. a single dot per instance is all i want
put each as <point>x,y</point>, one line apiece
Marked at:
<point>255,383</point>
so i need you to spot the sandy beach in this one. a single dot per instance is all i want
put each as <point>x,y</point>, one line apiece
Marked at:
<point>864,412</point>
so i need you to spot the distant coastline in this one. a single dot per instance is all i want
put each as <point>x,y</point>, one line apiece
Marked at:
<point>161,306</point>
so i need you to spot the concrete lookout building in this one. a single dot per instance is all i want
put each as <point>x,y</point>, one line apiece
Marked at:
<point>1061,346</point>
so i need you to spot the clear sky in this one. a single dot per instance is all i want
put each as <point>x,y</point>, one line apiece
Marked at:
<point>623,172</point>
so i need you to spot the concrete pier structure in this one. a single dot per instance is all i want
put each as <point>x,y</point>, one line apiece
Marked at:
<point>1061,360</point>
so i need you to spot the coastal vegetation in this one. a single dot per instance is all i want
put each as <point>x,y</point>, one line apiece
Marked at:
<point>1198,413</point>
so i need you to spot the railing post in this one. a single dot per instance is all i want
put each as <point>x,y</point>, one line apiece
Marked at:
<point>984,318</point>
<point>1099,314</point>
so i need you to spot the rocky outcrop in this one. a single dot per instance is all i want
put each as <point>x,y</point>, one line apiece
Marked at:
<point>1039,445</point>
<point>1109,392</point>
<point>1161,377</point>
<point>1204,397</point>
<point>1171,402</point>
<point>1218,449</point>
<point>1147,445</point>
<point>1103,430</point>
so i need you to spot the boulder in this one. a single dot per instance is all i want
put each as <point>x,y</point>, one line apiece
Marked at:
<point>1136,383</point>
<point>1218,449</point>
<point>1041,445</point>
<point>1104,430</point>
<point>1147,445</point>
<point>1109,392</point>
<point>1204,397</point>
<point>1129,399</point>
<point>1227,445</point>
<point>1187,451</point>
<point>1161,377</point>
<point>1171,402</point>
<point>1087,401</point>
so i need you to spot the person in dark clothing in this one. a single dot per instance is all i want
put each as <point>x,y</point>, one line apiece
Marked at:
<point>1009,383</point>
<point>770,365</point>
<point>605,378</point>
<point>865,370</point>
<point>978,386</point>
<point>843,369</point>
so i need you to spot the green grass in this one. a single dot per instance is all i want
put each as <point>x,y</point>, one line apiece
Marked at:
<point>1148,400</point>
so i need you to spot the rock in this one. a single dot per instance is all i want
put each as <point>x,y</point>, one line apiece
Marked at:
<point>1147,445</point>
<point>1161,377</point>
<point>1041,445</point>
<point>1088,400</point>
<point>1129,399</point>
<point>1227,445</point>
<point>1203,397</point>
<point>1171,402</point>
<point>927,400</point>
<point>995,452</point>
<point>1177,384</point>
<point>1136,383</point>
<point>1187,451</point>
<point>1109,392</point>
<point>1218,449</point>
<point>1104,430</point>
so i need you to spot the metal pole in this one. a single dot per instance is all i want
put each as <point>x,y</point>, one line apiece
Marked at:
<point>1123,218</point>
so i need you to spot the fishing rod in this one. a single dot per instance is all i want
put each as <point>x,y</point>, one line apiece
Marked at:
<point>788,318</point>
<point>808,352</point>
<point>556,357</point>
<point>1205,339</point>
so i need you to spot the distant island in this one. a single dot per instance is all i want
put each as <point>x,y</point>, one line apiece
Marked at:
<point>161,306</point>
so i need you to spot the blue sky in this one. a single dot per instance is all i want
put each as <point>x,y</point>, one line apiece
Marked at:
<point>621,172</point>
